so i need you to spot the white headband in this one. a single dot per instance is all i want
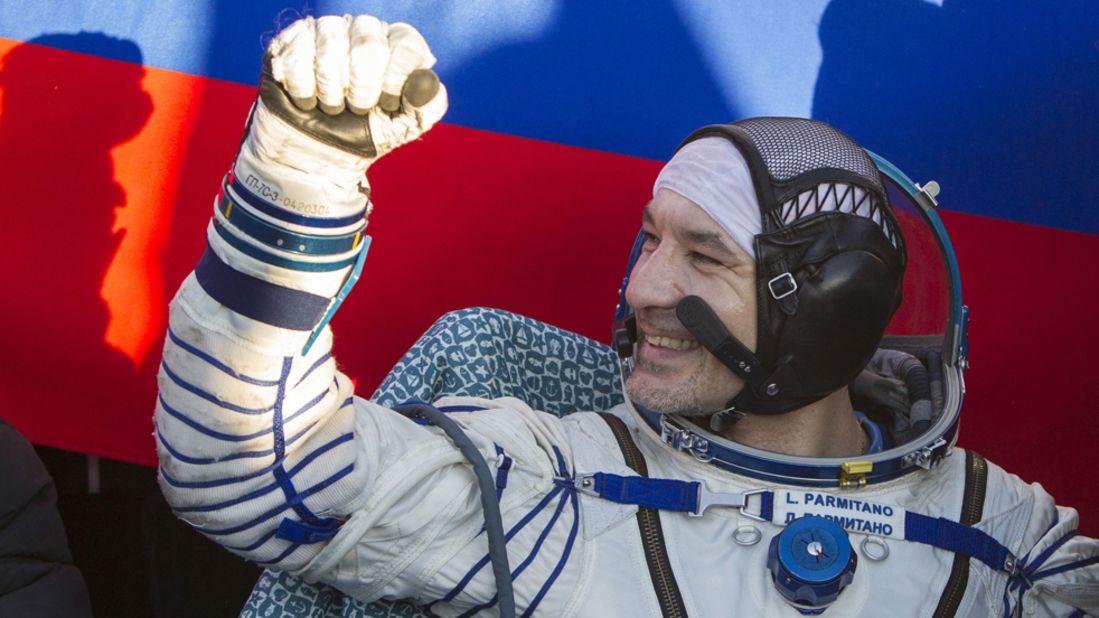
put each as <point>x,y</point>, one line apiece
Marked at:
<point>712,173</point>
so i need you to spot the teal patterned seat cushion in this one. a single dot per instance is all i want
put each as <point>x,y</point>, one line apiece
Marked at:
<point>476,352</point>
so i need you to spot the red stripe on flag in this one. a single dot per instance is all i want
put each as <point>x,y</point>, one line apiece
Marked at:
<point>1031,398</point>
<point>465,217</point>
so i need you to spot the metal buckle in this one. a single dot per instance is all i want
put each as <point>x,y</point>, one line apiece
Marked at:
<point>585,484</point>
<point>853,473</point>
<point>685,440</point>
<point>791,283</point>
<point>1012,565</point>
<point>744,508</point>
<point>707,498</point>
<point>925,457</point>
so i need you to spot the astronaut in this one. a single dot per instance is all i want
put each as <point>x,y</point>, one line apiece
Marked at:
<point>737,478</point>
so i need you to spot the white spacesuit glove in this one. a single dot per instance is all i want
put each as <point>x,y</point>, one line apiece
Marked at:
<point>336,93</point>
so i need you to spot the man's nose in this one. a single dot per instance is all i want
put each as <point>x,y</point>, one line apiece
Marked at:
<point>654,282</point>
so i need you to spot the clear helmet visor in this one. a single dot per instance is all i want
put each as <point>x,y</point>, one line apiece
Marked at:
<point>930,324</point>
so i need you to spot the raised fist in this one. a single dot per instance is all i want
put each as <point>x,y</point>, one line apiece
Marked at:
<point>372,81</point>
<point>336,93</point>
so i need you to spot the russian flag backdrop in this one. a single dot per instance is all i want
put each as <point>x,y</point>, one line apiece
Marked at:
<point>118,121</point>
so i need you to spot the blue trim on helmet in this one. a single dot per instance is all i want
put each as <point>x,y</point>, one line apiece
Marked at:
<point>623,310</point>
<point>959,341</point>
<point>901,459</point>
<point>789,472</point>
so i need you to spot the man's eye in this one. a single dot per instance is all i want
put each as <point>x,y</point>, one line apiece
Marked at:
<point>649,239</point>
<point>703,259</point>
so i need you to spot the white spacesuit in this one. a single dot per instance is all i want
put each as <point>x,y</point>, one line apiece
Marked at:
<point>265,449</point>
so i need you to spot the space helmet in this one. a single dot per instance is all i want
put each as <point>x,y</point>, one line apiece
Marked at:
<point>857,285</point>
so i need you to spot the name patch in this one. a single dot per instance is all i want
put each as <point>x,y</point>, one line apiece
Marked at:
<point>851,514</point>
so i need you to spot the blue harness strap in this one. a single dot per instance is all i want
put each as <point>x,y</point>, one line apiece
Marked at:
<point>958,538</point>
<point>665,494</point>
<point>693,498</point>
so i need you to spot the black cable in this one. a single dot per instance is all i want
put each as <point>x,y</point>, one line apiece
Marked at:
<point>494,524</point>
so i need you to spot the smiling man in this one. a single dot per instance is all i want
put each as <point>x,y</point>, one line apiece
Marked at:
<point>703,246</point>
<point>736,479</point>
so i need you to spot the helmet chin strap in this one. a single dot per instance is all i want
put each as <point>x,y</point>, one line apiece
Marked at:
<point>698,318</point>
<point>701,321</point>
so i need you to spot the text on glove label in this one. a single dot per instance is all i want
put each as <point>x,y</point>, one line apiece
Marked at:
<point>275,196</point>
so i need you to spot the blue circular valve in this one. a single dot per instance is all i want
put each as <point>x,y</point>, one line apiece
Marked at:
<point>811,562</point>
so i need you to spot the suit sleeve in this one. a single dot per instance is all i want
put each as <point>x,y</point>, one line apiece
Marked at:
<point>1058,572</point>
<point>255,435</point>
<point>265,449</point>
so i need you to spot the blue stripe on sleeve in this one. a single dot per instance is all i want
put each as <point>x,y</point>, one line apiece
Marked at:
<point>270,258</point>
<point>324,448</point>
<point>321,450</point>
<point>218,364</point>
<point>257,299</point>
<point>195,390</point>
<point>530,556</point>
<point>277,559</point>
<point>298,498</point>
<point>206,508</point>
<point>320,361</point>
<point>200,461</point>
<point>519,525</point>
<point>560,563</point>
<point>279,238</point>
<point>1037,561</point>
<point>199,427</point>
<point>216,482</point>
<point>253,546</point>
<point>229,481</point>
<point>1079,564</point>
<point>281,214</point>
<point>562,471</point>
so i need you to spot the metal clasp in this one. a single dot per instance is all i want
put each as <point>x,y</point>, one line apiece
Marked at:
<point>684,440</point>
<point>585,484</point>
<point>853,473</point>
<point>925,456</point>
<point>1012,565</point>
<point>744,508</point>
<point>707,498</point>
<point>930,190</point>
<point>790,284</point>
